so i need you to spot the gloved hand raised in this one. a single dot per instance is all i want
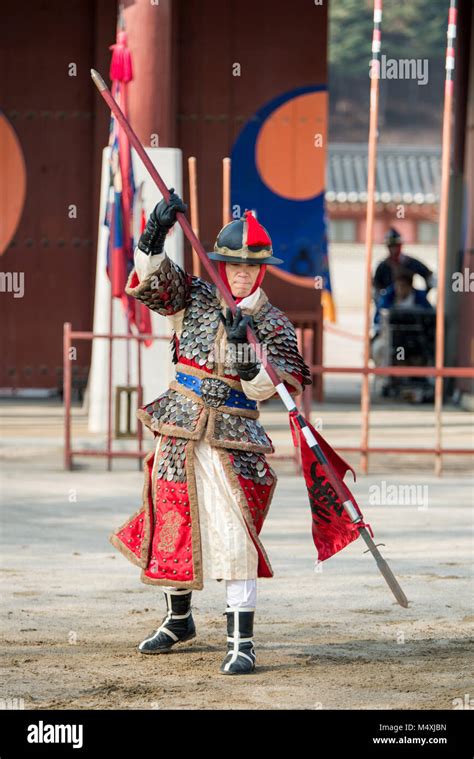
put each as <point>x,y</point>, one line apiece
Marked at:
<point>160,221</point>
<point>243,354</point>
<point>165,212</point>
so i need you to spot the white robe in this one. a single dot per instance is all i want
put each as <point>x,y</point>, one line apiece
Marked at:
<point>228,551</point>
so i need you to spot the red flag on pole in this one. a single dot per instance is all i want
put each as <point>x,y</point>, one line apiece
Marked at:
<point>332,527</point>
<point>122,242</point>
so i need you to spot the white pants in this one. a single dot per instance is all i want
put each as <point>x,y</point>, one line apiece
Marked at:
<point>239,593</point>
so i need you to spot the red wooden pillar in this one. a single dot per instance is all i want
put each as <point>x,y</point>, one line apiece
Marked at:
<point>152,94</point>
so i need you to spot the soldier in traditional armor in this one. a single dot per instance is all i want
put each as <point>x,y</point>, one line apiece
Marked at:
<point>208,485</point>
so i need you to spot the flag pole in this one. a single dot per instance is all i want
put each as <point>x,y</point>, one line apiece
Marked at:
<point>443,223</point>
<point>226,169</point>
<point>194,209</point>
<point>111,343</point>
<point>339,487</point>
<point>369,227</point>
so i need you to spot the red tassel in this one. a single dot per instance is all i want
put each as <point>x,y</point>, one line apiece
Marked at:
<point>121,63</point>
<point>295,430</point>
<point>256,235</point>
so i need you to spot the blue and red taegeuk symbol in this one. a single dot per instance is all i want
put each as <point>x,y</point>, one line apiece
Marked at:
<point>278,170</point>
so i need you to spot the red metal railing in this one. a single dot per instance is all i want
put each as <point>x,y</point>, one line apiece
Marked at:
<point>305,341</point>
<point>68,337</point>
<point>399,371</point>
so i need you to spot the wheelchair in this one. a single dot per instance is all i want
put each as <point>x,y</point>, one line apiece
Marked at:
<point>409,336</point>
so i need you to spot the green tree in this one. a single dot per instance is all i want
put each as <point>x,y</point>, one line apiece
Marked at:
<point>410,29</point>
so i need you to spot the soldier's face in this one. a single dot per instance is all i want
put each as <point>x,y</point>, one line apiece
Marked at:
<point>241,278</point>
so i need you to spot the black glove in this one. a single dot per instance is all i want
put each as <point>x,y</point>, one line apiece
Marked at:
<point>242,352</point>
<point>159,223</point>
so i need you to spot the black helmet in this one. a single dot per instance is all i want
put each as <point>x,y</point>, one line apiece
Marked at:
<point>393,237</point>
<point>244,241</point>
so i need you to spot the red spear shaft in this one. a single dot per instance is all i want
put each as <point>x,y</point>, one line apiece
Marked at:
<point>339,487</point>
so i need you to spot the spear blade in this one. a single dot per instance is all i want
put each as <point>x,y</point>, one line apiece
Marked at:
<point>384,568</point>
<point>98,81</point>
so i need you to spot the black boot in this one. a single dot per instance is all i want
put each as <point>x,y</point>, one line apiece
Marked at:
<point>176,627</point>
<point>240,657</point>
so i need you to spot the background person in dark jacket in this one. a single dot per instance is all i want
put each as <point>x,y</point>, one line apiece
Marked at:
<point>384,273</point>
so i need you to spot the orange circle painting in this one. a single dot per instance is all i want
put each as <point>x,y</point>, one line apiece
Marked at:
<point>279,171</point>
<point>290,150</point>
<point>12,182</point>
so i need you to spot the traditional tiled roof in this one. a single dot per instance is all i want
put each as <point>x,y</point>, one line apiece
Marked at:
<point>404,174</point>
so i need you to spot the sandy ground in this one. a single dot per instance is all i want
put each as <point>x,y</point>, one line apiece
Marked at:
<point>74,608</point>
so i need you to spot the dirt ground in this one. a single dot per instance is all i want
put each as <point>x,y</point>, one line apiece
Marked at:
<point>74,608</point>
<point>299,667</point>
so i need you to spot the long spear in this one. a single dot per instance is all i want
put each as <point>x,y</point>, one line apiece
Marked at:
<point>296,417</point>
